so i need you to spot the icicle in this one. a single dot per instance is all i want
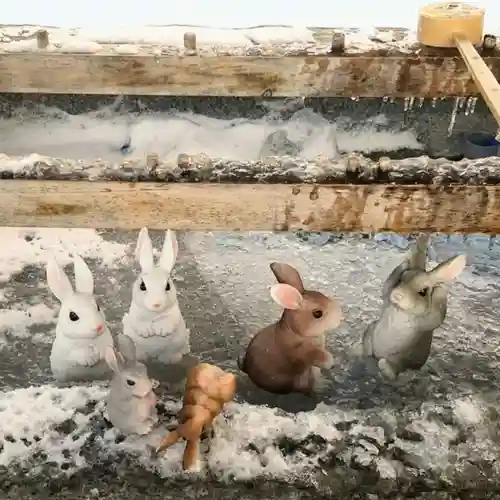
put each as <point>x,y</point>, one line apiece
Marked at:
<point>468,106</point>
<point>453,118</point>
<point>461,102</point>
<point>434,100</point>
<point>491,242</point>
<point>421,102</point>
<point>412,100</point>
<point>392,101</point>
<point>355,98</point>
<point>407,103</point>
<point>473,106</point>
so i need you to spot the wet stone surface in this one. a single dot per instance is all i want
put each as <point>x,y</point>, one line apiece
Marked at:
<point>435,434</point>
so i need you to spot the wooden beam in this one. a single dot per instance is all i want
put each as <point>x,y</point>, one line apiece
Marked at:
<point>277,207</point>
<point>364,75</point>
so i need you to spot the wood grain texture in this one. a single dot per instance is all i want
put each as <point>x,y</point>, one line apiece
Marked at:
<point>328,76</point>
<point>278,207</point>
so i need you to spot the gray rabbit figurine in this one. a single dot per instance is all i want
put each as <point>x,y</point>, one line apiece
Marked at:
<point>414,305</point>
<point>131,399</point>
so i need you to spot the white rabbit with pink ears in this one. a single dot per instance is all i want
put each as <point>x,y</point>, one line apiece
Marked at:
<point>82,336</point>
<point>154,320</point>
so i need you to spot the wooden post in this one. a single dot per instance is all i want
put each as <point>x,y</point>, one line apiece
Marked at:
<point>190,43</point>
<point>42,39</point>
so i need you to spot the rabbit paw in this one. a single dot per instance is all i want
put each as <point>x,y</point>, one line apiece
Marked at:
<point>387,370</point>
<point>85,357</point>
<point>153,420</point>
<point>328,363</point>
<point>320,384</point>
<point>144,427</point>
<point>94,356</point>
<point>356,351</point>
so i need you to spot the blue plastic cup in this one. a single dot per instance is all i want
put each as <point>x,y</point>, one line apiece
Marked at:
<point>480,145</point>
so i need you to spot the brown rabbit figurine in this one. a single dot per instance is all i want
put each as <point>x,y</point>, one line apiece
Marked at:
<point>208,389</point>
<point>286,356</point>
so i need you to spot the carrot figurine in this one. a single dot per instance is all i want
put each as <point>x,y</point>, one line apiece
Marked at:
<point>208,389</point>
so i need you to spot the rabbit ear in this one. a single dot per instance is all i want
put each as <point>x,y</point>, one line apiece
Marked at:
<point>84,281</point>
<point>58,280</point>
<point>417,257</point>
<point>113,361</point>
<point>127,348</point>
<point>287,274</point>
<point>447,270</point>
<point>169,251</point>
<point>144,250</point>
<point>286,296</point>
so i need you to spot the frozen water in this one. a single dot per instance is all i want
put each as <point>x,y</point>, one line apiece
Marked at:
<point>113,133</point>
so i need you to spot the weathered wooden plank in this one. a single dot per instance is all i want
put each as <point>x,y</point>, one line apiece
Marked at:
<point>350,75</point>
<point>401,208</point>
<point>389,61</point>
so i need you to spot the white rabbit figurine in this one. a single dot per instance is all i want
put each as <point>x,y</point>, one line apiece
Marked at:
<point>131,400</point>
<point>414,305</point>
<point>154,320</point>
<point>82,335</point>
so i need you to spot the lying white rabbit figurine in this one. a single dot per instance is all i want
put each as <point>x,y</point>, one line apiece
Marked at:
<point>154,320</point>
<point>82,335</point>
<point>414,305</point>
<point>131,401</point>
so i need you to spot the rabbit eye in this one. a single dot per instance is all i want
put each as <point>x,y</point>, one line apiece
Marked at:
<point>423,292</point>
<point>317,313</point>
<point>131,383</point>
<point>142,286</point>
<point>73,316</point>
<point>167,288</point>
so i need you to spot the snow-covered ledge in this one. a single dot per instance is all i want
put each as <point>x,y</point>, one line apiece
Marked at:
<point>349,193</point>
<point>197,60</point>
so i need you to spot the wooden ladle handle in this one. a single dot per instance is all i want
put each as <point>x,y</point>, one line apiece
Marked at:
<point>484,78</point>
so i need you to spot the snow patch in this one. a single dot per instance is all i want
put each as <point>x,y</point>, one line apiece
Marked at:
<point>305,134</point>
<point>166,35</point>
<point>127,49</point>
<point>468,412</point>
<point>30,246</point>
<point>16,322</point>
<point>276,35</point>
<point>29,420</point>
